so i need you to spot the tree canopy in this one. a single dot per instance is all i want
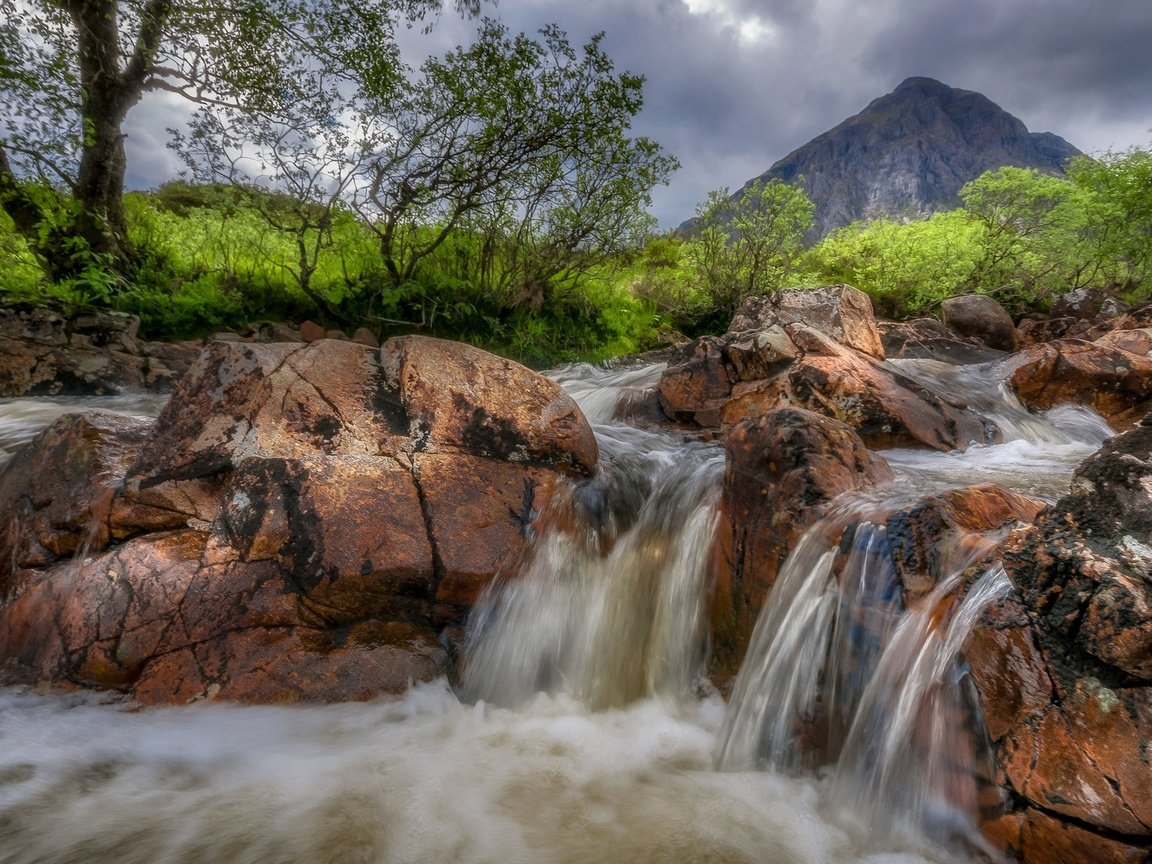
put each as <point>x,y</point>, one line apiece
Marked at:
<point>71,70</point>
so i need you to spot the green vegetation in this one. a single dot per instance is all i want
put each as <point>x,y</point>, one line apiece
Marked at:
<point>489,195</point>
<point>1021,236</point>
<point>494,195</point>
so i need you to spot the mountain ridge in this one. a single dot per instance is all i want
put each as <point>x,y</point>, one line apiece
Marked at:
<point>908,153</point>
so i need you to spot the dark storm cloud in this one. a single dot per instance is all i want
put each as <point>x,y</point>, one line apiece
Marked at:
<point>734,85</point>
<point>1061,66</point>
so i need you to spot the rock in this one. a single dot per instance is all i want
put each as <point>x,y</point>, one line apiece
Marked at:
<point>1087,304</point>
<point>93,354</point>
<point>756,354</point>
<point>928,339</point>
<point>286,531</point>
<point>979,316</point>
<point>1063,667</point>
<point>283,333</point>
<point>1114,383</point>
<point>944,533</point>
<point>885,408</point>
<point>56,493</point>
<point>782,467</point>
<point>695,389</point>
<point>310,331</point>
<point>840,311</point>
<point>461,398</point>
<point>364,336</point>
<point>338,334</point>
<point>1133,341</point>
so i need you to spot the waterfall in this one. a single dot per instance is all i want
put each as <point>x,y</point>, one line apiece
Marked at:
<point>583,729</point>
<point>611,607</point>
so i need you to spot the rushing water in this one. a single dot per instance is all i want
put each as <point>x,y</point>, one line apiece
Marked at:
<point>584,730</point>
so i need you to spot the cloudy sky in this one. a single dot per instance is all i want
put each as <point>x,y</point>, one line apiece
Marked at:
<point>734,85</point>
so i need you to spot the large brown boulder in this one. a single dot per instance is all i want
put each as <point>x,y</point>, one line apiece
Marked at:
<point>885,408</point>
<point>1064,668</point>
<point>782,467</point>
<point>1115,383</point>
<point>839,311</point>
<point>299,524</point>
<point>979,316</point>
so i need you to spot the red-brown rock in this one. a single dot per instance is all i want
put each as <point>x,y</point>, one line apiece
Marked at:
<point>55,494</point>
<point>1063,667</point>
<point>694,389</point>
<point>310,331</point>
<point>782,467</point>
<point>1133,341</point>
<point>1115,383</point>
<point>928,339</point>
<point>459,398</point>
<point>885,408</point>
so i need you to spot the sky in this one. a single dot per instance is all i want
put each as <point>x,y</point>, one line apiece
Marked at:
<point>734,85</point>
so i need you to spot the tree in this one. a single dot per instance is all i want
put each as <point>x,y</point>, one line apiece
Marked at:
<point>71,70</point>
<point>295,168</point>
<point>524,143</point>
<point>748,244</point>
<point>1121,185</point>
<point>907,267</point>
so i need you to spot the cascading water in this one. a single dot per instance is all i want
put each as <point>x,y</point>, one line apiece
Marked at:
<point>611,608</point>
<point>582,735</point>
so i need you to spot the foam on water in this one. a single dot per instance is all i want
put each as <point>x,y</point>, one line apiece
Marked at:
<point>1040,450</point>
<point>423,779</point>
<point>598,390</point>
<point>581,738</point>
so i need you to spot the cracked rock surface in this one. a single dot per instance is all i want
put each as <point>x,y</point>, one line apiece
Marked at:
<point>302,522</point>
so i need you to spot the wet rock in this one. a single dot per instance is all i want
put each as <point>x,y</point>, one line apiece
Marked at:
<point>929,339</point>
<point>947,532</point>
<point>461,398</point>
<point>840,311</point>
<point>286,531</point>
<point>1133,341</point>
<point>695,388</point>
<point>56,493</point>
<point>885,408</point>
<point>979,316</point>
<point>1115,383</point>
<point>782,467</point>
<point>1064,666</point>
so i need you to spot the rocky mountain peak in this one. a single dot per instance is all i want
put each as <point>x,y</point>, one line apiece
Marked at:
<point>908,153</point>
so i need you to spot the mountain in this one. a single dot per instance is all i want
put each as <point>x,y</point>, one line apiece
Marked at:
<point>909,152</point>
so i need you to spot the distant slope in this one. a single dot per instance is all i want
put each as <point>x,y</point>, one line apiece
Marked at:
<point>909,152</point>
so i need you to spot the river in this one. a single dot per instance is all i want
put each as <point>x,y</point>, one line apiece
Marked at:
<point>584,729</point>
